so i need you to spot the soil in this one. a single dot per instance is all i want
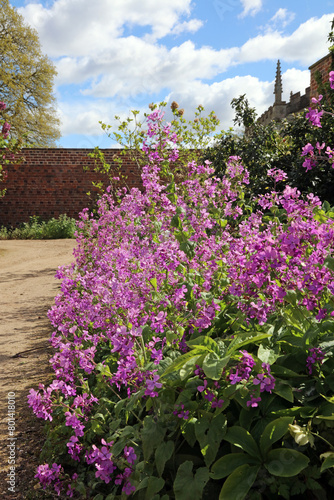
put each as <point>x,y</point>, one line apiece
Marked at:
<point>27,291</point>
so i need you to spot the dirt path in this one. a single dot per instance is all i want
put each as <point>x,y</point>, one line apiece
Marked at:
<point>27,290</point>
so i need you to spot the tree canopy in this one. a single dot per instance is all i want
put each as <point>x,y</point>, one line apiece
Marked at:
<point>26,81</point>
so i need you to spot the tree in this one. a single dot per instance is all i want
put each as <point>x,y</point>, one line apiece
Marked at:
<point>26,81</point>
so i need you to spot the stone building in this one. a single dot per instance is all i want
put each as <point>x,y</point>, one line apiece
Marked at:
<point>282,109</point>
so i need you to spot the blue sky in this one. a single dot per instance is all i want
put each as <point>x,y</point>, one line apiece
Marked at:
<point>116,55</point>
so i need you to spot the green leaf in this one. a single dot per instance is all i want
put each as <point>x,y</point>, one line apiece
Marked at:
<point>228,463</point>
<point>328,462</point>
<point>98,497</point>
<point>291,297</point>
<point>238,484</point>
<point>284,462</point>
<point>163,454</point>
<point>154,485</point>
<point>329,263</point>
<point>285,391</point>
<point>188,486</point>
<point>193,355</point>
<point>285,372</point>
<point>273,432</point>
<point>242,439</point>
<point>213,365</point>
<point>209,434</point>
<point>152,435</point>
<point>267,354</point>
<point>176,222</point>
<point>153,282</point>
<point>238,342</point>
<point>204,342</point>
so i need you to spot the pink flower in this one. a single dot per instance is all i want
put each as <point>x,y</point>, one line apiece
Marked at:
<point>314,117</point>
<point>5,129</point>
<point>2,106</point>
<point>331,79</point>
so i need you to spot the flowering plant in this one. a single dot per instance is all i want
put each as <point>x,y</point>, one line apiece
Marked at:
<point>189,334</point>
<point>9,147</point>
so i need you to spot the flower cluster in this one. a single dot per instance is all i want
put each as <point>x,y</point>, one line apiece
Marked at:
<point>151,271</point>
<point>314,115</point>
<point>315,356</point>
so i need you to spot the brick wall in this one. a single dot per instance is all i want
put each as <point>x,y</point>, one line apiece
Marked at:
<point>51,182</point>
<point>324,65</point>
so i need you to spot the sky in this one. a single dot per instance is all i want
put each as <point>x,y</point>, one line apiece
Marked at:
<point>113,56</point>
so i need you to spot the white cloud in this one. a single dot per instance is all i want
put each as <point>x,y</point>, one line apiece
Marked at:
<point>282,17</point>
<point>305,45</point>
<point>295,80</point>
<point>81,28</point>
<point>251,7</point>
<point>113,53</point>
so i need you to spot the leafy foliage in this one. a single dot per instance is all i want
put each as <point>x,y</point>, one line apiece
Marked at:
<point>26,81</point>
<point>193,136</point>
<point>36,229</point>
<point>193,336</point>
<point>278,145</point>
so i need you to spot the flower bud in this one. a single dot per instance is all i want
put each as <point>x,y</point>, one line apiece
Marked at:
<point>301,435</point>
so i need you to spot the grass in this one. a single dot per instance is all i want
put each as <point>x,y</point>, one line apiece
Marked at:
<point>36,229</point>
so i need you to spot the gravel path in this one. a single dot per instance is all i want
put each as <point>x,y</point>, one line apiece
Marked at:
<point>27,290</point>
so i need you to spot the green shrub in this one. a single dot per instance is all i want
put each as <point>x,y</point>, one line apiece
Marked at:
<point>36,229</point>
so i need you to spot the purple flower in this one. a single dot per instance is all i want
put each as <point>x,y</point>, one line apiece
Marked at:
<point>5,130</point>
<point>151,385</point>
<point>316,356</point>
<point>74,449</point>
<point>181,413</point>
<point>331,79</point>
<point>243,369</point>
<point>2,106</point>
<point>129,454</point>
<point>253,401</point>
<point>314,116</point>
<point>308,148</point>
<point>277,174</point>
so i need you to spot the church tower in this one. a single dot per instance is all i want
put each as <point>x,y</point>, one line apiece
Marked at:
<point>278,84</point>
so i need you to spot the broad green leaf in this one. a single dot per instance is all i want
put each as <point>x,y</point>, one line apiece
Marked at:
<point>237,343</point>
<point>155,484</point>
<point>242,439</point>
<point>152,435</point>
<point>273,432</point>
<point>176,222</point>
<point>188,486</point>
<point>213,365</point>
<point>209,434</point>
<point>328,462</point>
<point>204,342</point>
<point>163,454</point>
<point>181,360</point>
<point>283,462</point>
<point>153,282</point>
<point>267,354</point>
<point>329,263</point>
<point>238,484</point>
<point>285,391</point>
<point>291,297</point>
<point>228,463</point>
<point>285,372</point>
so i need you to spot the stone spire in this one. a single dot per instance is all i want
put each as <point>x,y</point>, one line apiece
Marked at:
<point>278,84</point>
